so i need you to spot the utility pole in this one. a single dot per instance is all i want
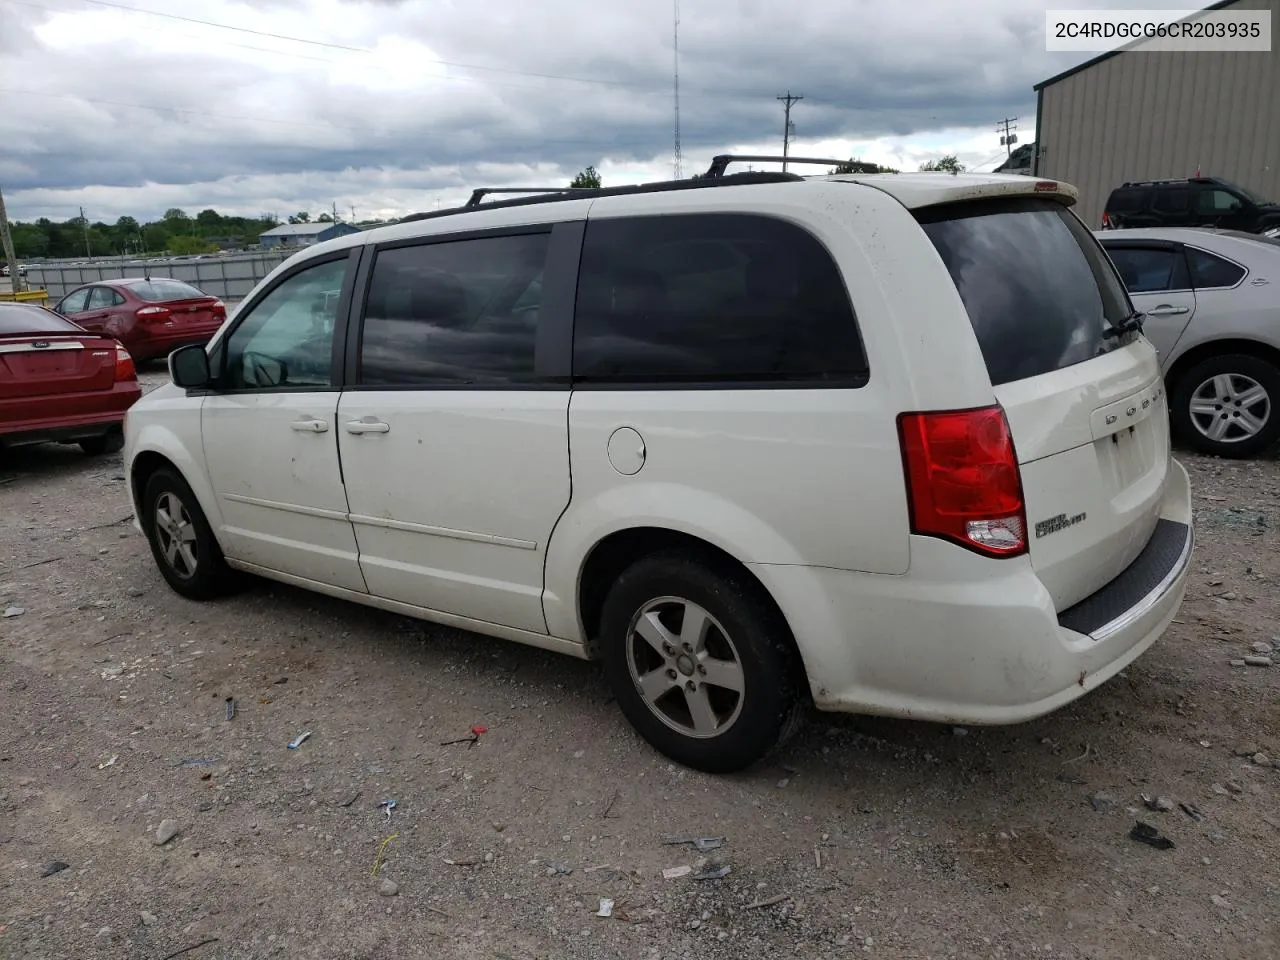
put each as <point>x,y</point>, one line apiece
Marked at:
<point>1008,138</point>
<point>84,222</point>
<point>335,211</point>
<point>678,163</point>
<point>787,126</point>
<point>6,243</point>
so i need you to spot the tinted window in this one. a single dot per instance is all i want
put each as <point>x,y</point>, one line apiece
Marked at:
<point>286,340</point>
<point>711,297</point>
<point>1144,269</point>
<point>1125,201</point>
<point>100,298</point>
<point>1172,200</point>
<point>1217,201</point>
<point>158,291</point>
<point>74,302</point>
<point>454,313</point>
<point>1210,271</point>
<point>1037,287</point>
<point>20,318</point>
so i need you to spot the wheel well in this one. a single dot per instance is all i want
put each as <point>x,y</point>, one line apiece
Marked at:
<point>144,467</point>
<point>1218,348</point>
<point>618,551</point>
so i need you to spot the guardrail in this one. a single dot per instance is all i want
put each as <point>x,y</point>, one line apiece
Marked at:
<point>27,296</point>
<point>229,277</point>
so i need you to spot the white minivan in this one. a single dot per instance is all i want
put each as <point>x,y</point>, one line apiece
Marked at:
<point>884,444</point>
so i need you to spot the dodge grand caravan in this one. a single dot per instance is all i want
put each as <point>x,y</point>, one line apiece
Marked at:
<point>885,444</point>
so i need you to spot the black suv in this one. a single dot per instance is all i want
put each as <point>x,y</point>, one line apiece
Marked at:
<point>1193,202</point>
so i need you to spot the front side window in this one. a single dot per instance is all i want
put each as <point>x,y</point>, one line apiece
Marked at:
<point>454,313</point>
<point>1038,289</point>
<point>1210,271</point>
<point>286,340</point>
<point>1145,269</point>
<point>712,298</point>
<point>1218,201</point>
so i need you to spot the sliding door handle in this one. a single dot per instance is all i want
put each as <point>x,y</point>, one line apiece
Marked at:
<point>367,426</point>
<point>309,426</point>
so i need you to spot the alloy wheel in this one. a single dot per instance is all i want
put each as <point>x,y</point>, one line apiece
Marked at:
<point>176,535</point>
<point>1230,407</point>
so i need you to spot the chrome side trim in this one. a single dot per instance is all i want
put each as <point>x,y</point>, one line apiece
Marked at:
<point>1139,609</point>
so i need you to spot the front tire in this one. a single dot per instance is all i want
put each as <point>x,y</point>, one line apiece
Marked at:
<point>1226,406</point>
<point>181,539</point>
<point>700,663</point>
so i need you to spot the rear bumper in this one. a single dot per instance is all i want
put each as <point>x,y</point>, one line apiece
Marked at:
<point>67,417</point>
<point>978,642</point>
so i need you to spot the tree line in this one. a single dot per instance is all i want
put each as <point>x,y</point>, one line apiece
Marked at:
<point>175,233</point>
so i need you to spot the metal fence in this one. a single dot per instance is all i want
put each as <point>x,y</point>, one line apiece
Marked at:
<point>230,277</point>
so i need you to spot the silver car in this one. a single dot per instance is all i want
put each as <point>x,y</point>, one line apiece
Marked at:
<point>1212,305</point>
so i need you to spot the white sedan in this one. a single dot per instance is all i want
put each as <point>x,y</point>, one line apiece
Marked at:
<point>1211,300</point>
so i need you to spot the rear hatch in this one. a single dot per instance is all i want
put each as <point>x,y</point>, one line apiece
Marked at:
<point>1086,405</point>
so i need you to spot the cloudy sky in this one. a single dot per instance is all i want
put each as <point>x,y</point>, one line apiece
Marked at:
<point>392,106</point>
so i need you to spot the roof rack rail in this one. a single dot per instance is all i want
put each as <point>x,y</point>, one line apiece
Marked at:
<point>559,194</point>
<point>482,192</point>
<point>718,164</point>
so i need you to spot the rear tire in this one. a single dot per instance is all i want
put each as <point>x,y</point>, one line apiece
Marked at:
<point>1226,406</point>
<point>112,442</point>
<point>181,539</point>
<point>726,689</point>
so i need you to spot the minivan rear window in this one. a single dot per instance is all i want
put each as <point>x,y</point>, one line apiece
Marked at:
<point>1039,290</point>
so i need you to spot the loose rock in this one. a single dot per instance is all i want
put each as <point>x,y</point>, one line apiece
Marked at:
<point>1262,648</point>
<point>1102,802</point>
<point>56,867</point>
<point>1246,750</point>
<point>12,612</point>
<point>167,830</point>
<point>1262,760</point>
<point>1257,661</point>
<point>148,919</point>
<point>388,888</point>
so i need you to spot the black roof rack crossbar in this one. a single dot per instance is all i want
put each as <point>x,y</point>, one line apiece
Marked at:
<point>718,164</point>
<point>558,194</point>
<point>482,192</point>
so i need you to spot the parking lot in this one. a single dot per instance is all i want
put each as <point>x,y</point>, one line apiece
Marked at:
<point>864,837</point>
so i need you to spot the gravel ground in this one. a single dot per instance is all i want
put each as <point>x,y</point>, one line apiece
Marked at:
<point>865,837</point>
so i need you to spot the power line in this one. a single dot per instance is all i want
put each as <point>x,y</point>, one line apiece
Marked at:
<point>787,126</point>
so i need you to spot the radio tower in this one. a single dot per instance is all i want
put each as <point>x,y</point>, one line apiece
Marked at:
<point>678,160</point>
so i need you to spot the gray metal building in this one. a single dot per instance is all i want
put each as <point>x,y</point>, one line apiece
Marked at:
<point>305,234</point>
<point>1134,115</point>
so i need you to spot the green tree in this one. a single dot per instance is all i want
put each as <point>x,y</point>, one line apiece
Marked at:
<point>185,245</point>
<point>860,166</point>
<point>209,218</point>
<point>176,213</point>
<point>587,178</point>
<point>324,218</point>
<point>300,217</point>
<point>155,237</point>
<point>947,164</point>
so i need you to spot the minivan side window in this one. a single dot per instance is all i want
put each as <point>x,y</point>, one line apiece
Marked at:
<point>286,339</point>
<point>712,298</point>
<point>1209,271</point>
<point>454,313</point>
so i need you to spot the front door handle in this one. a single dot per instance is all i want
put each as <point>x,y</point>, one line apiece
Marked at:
<point>1165,310</point>
<point>368,426</point>
<point>309,426</point>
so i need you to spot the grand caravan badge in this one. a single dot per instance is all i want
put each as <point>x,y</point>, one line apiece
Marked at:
<point>1060,522</point>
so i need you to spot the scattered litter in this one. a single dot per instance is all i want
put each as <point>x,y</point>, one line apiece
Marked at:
<point>109,763</point>
<point>606,908</point>
<point>555,869</point>
<point>1192,811</point>
<point>714,872</point>
<point>477,732</point>
<point>617,795</point>
<point>12,612</point>
<point>463,862</point>
<point>1145,833</point>
<point>817,857</point>
<point>299,740</point>
<point>350,800</point>
<point>701,844</point>
<point>231,708</point>
<point>56,867</point>
<point>675,873</point>
<point>771,901</point>
<point>1205,743</point>
<point>382,847</point>
<point>387,805</point>
<point>1161,804</point>
<point>198,762</point>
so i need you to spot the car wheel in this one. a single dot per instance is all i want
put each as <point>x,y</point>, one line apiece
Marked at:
<point>1226,406</point>
<point>107,443</point>
<point>700,663</point>
<point>182,541</point>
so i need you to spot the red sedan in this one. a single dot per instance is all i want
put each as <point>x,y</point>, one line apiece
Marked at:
<point>61,384</point>
<point>151,317</point>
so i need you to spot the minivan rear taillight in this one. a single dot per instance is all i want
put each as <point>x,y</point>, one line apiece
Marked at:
<point>963,482</point>
<point>125,369</point>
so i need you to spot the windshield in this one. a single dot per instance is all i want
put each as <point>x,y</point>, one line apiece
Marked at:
<point>1040,292</point>
<point>159,291</point>
<point>21,318</point>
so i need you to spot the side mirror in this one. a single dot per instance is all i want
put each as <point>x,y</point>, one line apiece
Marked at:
<point>189,367</point>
